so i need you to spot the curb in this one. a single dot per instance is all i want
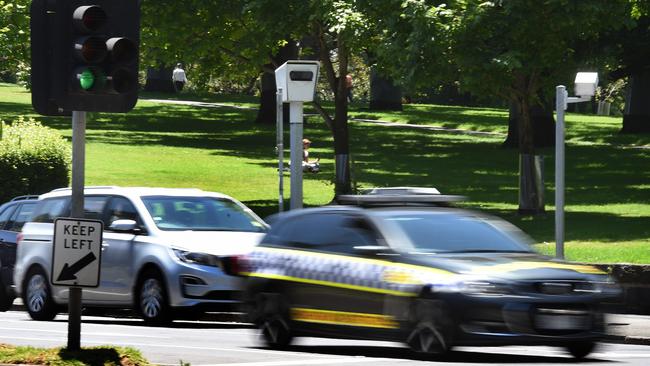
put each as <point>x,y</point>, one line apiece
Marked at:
<point>641,341</point>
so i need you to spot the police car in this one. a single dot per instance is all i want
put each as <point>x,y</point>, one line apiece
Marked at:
<point>399,265</point>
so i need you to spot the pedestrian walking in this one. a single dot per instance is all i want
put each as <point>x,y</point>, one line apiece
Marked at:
<point>348,87</point>
<point>179,78</point>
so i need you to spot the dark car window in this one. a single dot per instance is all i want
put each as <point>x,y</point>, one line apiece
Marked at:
<point>450,232</point>
<point>51,208</point>
<point>21,216</point>
<point>120,208</point>
<point>5,215</point>
<point>328,232</point>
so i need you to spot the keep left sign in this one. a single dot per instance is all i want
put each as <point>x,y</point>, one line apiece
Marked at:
<point>76,256</point>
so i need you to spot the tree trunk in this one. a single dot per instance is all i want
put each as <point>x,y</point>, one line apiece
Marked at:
<point>384,95</point>
<point>267,112</point>
<point>636,118</point>
<point>531,185</point>
<point>543,126</point>
<point>343,181</point>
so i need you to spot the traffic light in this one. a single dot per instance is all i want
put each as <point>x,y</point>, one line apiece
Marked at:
<point>85,55</point>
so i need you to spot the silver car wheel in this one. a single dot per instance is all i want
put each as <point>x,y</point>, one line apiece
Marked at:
<point>151,298</point>
<point>36,293</point>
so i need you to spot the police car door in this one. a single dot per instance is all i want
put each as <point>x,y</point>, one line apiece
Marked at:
<point>343,279</point>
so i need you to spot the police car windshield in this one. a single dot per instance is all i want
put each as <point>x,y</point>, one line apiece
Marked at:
<point>200,214</point>
<point>436,232</point>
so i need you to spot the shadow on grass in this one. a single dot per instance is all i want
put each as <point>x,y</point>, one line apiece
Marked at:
<point>382,156</point>
<point>95,356</point>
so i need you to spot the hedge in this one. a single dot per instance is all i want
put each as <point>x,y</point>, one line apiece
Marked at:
<point>33,159</point>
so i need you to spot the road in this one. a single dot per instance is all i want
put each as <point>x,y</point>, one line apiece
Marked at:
<point>214,343</point>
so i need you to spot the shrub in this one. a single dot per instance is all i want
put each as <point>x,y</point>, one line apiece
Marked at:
<point>33,159</point>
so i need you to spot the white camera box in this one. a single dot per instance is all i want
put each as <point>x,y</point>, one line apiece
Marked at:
<point>586,83</point>
<point>297,79</point>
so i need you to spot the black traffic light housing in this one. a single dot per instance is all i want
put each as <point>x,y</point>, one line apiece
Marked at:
<point>85,55</point>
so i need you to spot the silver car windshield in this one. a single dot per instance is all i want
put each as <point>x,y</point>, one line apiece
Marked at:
<point>445,232</point>
<point>200,214</point>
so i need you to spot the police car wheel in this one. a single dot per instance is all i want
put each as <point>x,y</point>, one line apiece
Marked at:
<point>152,299</point>
<point>273,320</point>
<point>431,332</point>
<point>37,296</point>
<point>581,349</point>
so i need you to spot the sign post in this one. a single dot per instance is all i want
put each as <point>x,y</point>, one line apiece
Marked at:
<point>76,254</point>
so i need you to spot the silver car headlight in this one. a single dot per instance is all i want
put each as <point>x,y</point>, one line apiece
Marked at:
<point>607,288</point>
<point>196,257</point>
<point>474,287</point>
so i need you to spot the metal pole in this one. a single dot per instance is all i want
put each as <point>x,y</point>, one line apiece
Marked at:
<point>295,120</point>
<point>77,211</point>
<point>279,145</point>
<point>560,106</point>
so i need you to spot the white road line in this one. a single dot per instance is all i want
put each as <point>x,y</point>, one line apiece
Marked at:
<point>328,361</point>
<point>85,333</point>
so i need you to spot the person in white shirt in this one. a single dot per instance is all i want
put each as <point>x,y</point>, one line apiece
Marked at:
<point>179,78</point>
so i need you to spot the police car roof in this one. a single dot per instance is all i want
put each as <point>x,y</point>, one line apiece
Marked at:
<point>399,196</point>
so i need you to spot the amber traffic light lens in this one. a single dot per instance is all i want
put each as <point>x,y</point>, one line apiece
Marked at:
<point>91,49</point>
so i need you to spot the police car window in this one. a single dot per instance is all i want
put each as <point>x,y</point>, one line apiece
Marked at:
<point>329,232</point>
<point>450,232</point>
<point>313,231</point>
<point>22,215</point>
<point>49,209</point>
<point>5,215</point>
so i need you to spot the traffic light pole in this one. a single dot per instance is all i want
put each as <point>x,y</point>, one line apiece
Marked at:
<point>77,211</point>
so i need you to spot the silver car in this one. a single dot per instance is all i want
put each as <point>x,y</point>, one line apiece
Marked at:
<point>160,251</point>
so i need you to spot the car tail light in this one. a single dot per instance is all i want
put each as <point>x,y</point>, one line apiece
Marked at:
<point>19,238</point>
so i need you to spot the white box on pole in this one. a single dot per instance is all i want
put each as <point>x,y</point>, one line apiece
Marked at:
<point>297,79</point>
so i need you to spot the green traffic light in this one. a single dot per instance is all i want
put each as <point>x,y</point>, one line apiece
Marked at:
<point>87,79</point>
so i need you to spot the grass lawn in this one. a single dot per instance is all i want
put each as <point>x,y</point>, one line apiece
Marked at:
<point>221,149</point>
<point>107,356</point>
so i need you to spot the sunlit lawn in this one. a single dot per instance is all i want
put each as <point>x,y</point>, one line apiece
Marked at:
<point>221,149</point>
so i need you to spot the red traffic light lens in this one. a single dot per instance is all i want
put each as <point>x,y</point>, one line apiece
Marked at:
<point>91,49</point>
<point>122,50</point>
<point>89,18</point>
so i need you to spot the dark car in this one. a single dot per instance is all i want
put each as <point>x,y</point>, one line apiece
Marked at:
<point>13,216</point>
<point>412,271</point>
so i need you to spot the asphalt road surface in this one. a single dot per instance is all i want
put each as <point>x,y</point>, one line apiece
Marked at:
<point>214,343</point>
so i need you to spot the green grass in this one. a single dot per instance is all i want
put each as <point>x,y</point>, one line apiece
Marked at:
<point>107,356</point>
<point>221,149</point>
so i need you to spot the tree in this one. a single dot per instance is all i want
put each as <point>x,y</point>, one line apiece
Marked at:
<point>14,40</point>
<point>516,50</point>
<point>239,38</point>
<point>634,63</point>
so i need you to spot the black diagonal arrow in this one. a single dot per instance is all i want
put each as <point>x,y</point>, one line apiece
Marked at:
<point>68,272</point>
